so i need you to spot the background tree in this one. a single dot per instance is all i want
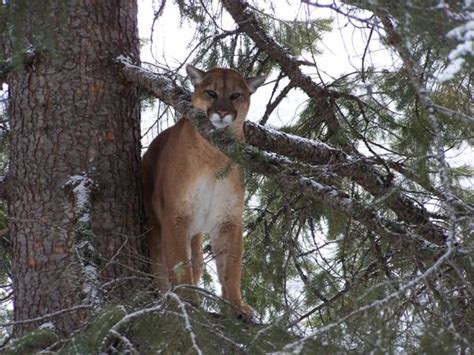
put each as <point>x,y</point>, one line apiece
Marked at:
<point>358,226</point>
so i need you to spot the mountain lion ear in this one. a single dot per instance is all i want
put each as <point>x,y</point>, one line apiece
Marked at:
<point>255,82</point>
<point>194,74</point>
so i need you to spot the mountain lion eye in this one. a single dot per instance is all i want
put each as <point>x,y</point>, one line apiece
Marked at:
<point>211,93</point>
<point>234,96</point>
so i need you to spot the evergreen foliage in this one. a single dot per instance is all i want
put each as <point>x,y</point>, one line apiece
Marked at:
<point>169,325</point>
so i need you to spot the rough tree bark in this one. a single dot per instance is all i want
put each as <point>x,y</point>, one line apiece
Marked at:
<point>75,212</point>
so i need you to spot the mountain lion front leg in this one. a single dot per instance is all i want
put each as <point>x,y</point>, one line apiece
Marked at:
<point>197,257</point>
<point>153,235</point>
<point>227,249</point>
<point>157,265</point>
<point>176,249</point>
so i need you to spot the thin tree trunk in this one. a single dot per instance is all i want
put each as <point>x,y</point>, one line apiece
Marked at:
<point>72,115</point>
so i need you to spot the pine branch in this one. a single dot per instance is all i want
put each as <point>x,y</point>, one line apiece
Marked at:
<point>364,175</point>
<point>282,171</point>
<point>358,169</point>
<point>400,291</point>
<point>276,168</point>
<point>414,71</point>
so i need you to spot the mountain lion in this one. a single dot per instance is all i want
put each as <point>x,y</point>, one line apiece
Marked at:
<point>184,197</point>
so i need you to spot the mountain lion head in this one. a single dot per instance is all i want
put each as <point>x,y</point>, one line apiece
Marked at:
<point>223,94</point>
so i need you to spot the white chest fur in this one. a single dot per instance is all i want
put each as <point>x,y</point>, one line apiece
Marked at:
<point>213,201</point>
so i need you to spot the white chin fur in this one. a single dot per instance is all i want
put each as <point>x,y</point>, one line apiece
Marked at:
<point>219,122</point>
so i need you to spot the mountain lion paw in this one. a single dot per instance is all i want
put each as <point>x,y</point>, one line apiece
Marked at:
<point>245,313</point>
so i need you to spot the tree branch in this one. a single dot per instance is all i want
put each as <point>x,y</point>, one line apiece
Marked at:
<point>356,168</point>
<point>281,170</point>
<point>272,105</point>
<point>48,316</point>
<point>330,196</point>
<point>414,71</point>
<point>159,86</point>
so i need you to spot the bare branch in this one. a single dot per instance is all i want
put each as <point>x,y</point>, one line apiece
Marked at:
<point>274,104</point>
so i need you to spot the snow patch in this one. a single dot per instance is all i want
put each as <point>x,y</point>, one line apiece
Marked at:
<point>47,325</point>
<point>464,34</point>
<point>82,187</point>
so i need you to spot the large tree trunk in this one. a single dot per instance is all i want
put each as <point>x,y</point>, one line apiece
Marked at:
<point>72,115</point>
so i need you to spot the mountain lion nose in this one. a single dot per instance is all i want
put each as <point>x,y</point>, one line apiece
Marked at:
<point>222,114</point>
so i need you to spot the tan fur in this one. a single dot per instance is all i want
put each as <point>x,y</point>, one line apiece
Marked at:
<point>185,196</point>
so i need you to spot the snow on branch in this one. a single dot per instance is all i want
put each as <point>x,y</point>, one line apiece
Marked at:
<point>116,331</point>
<point>357,168</point>
<point>82,187</point>
<point>187,320</point>
<point>464,35</point>
<point>168,305</point>
<point>158,85</point>
<point>272,166</point>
